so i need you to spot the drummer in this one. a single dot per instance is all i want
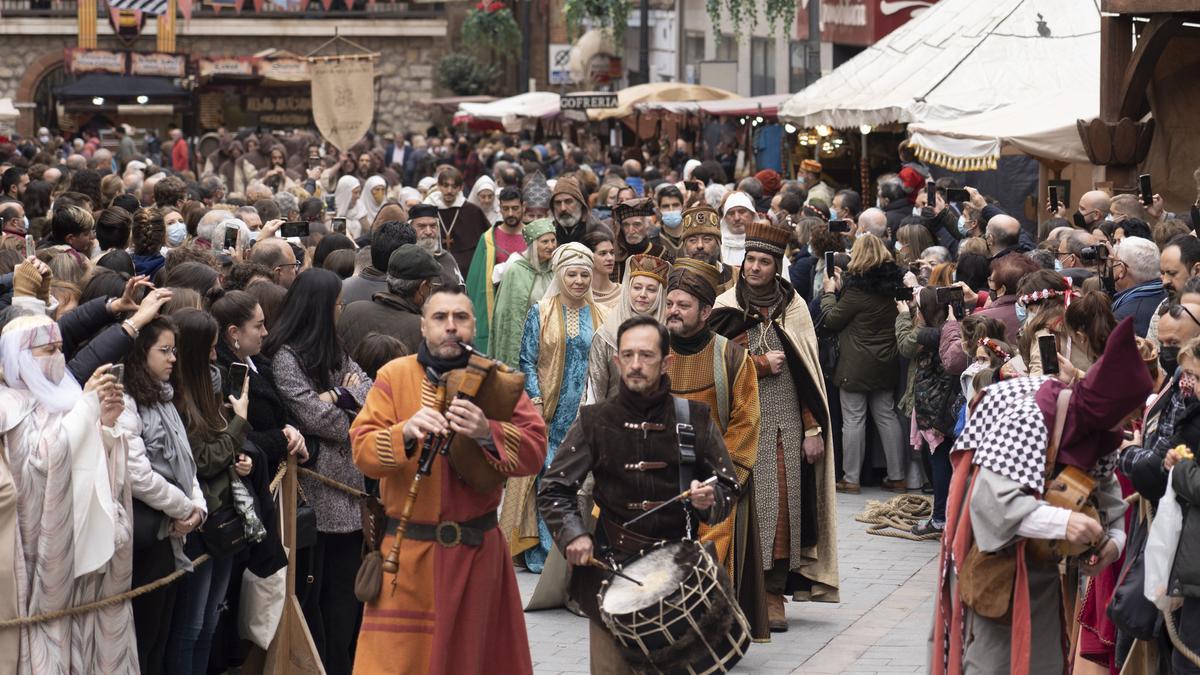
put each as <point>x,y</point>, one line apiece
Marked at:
<point>632,447</point>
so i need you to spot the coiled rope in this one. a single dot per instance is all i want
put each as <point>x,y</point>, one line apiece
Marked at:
<point>897,516</point>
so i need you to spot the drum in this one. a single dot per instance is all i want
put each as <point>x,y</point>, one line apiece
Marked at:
<point>683,619</point>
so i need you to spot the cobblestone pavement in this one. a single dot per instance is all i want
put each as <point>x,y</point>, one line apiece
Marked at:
<point>880,626</point>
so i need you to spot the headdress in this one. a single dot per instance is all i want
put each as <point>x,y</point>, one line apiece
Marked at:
<point>696,278</point>
<point>701,219</point>
<point>766,237</point>
<point>646,265</point>
<point>536,228</point>
<point>632,208</point>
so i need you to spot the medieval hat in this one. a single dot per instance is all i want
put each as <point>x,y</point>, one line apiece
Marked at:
<point>736,199</point>
<point>422,211</point>
<point>568,186</point>
<point>701,219</point>
<point>536,193</point>
<point>695,277</point>
<point>632,208</point>
<point>646,265</point>
<point>766,237</point>
<point>536,228</point>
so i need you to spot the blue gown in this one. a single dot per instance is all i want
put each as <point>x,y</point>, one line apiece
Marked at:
<point>570,393</point>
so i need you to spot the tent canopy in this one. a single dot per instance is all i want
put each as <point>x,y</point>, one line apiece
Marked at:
<point>508,113</point>
<point>657,92</point>
<point>960,58</point>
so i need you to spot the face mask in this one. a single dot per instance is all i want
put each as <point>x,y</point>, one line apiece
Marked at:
<point>672,219</point>
<point>899,247</point>
<point>253,235</point>
<point>1079,221</point>
<point>1168,358</point>
<point>916,211</point>
<point>1058,266</point>
<point>53,367</point>
<point>176,233</point>
<point>1187,386</point>
<point>963,227</point>
<point>1108,218</point>
<point>43,139</point>
<point>25,219</point>
<point>1022,314</point>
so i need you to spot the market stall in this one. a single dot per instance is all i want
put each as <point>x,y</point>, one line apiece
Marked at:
<point>523,111</point>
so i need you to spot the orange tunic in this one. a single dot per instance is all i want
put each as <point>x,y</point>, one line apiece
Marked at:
<point>453,609</point>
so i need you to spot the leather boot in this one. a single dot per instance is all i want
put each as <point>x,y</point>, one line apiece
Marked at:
<point>776,619</point>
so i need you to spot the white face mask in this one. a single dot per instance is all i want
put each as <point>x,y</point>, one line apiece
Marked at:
<point>916,211</point>
<point>899,247</point>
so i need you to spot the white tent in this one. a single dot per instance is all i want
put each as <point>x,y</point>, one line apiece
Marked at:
<point>963,58</point>
<point>508,112</point>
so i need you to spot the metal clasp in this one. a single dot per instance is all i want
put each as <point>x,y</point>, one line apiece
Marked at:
<point>454,528</point>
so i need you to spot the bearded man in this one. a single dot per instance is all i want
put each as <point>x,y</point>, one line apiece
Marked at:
<point>793,470</point>
<point>632,219</point>
<point>497,244</point>
<point>717,371</point>
<point>572,219</point>
<point>701,237</point>
<point>460,222</point>
<point>427,227</point>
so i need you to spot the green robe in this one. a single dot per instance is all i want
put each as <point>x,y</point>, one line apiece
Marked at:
<point>522,285</point>
<point>480,288</point>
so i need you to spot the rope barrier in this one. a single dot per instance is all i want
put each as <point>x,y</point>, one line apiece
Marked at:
<point>105,602</point>
<point>900,513</point>
<point>1190,655</point>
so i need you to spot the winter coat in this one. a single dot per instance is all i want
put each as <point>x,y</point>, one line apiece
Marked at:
<point>864,317</point>
<point>801,271</point>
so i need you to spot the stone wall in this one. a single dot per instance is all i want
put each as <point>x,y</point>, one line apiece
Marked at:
<point>406,67</point>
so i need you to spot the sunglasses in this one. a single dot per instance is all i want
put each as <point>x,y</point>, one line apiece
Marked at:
<point>1175,311</point>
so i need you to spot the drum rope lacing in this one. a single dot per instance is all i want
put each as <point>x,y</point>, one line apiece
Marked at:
<point>897,516</point>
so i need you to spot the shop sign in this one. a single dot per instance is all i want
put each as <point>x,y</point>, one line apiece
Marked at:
<point>588,100</point>
<point>283,70</point>
<point>282,108</point>
<point>228,66</point>
<point>158,64</point>
<point>80,61</point>
<point>858,22</point>
<point>560,64</point>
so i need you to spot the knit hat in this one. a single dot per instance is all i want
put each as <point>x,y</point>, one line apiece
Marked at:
<point>766,237</point>
<point>646,265</point>
<point>411,263</point>
<point>701,219</point>
<point>633,208</point>
<point>568,186</point>
<point>536,193</point>
<point>770,181</point>
<point>737,199</point>
<point>536,228</point>
<point>696,278</point>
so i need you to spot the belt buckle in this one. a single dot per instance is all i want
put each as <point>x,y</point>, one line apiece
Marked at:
<point>454,528</point>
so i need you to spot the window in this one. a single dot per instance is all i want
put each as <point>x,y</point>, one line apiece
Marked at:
<point>762,66</point>
<point>693,54</point>
<point>797,52</point>
<point>727,48</point>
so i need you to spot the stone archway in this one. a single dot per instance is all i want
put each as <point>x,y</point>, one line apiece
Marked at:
<point>27,88</point>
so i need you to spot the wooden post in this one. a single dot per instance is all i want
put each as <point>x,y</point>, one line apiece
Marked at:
<point>166,28</point>
<point>85,12</point>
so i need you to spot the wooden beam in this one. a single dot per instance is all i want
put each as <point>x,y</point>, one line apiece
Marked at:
<point>1145,7</point>
<point>1140,71</point>
<point>1116,49</point>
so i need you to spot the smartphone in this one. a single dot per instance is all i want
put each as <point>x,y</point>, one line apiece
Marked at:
<point>339,225</point>
<point>956,301</point>
<point>117,370</point>
<point>330,204</point>
<point>829,263</point>
<point>942,294</point>
<point>839,226</point>
<point>930,194</point>
<point>231,236</point>
<point>238,372</point>
<point>1145,189</point>
<point>958,195</point>
<point>1048,350</point>
<point>693,186</point>
<point>1053,198</point>
<point>903,294</point>
<point>30,247</point>
<point>294,228</point>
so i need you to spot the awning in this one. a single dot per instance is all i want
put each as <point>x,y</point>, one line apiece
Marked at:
<point>509,113</point>
<point>119,87</point>
<point>767,106</point>
<point>8,111</point>
<point>960,58</point>
<point>1042,128</point>
<point>658,93</point>
<point>451,103</point>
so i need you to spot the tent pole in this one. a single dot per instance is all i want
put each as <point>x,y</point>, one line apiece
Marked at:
<point>864,168</point>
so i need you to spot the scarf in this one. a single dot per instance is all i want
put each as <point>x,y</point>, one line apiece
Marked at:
<point>693,344</point>
<point>650,405</point>
<point>170,455</point>
<point>440,365</point>
<point>733,247</point>
<point>764,298</point>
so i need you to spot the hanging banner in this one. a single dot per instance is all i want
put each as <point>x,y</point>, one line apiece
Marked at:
<point>157,64</point>
<point>343,98</point>
<point>225,66</point>
<point>284,69</point>
<point>80,61</point>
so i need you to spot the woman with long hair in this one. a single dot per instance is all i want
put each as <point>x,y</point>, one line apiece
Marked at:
<point>912,240</point>
<point>643,293</point>
<point>168,502</point>
<point>322,389</point>
<point>864,315</point>
<point>554,357</point>
<point>216,443</point>
<point>605,292</point>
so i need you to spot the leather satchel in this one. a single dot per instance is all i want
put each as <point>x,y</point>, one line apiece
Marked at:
<point>369,579</point>
<point>497,397</point>
<point>985,582</point>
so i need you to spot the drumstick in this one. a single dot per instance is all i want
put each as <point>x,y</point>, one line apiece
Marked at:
<point>597,563</point>
<point>677,498</point>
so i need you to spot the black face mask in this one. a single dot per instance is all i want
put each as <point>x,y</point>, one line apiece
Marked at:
<point>1168,358</point>
<point>1079,221</point>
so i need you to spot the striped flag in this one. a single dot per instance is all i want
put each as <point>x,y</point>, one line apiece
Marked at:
<point>151,7</point>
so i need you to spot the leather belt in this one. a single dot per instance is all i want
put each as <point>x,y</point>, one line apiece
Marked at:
<point>646,466</point>
<point>643,506</point>
<point>625,540</point>
<point>448,533</point>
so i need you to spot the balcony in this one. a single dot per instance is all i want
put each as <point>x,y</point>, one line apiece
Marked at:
<point>66,9</point>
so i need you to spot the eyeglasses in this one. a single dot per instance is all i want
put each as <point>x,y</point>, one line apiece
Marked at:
<point>168,351</point>
<point>296,265</point>
<point>1174,311</point>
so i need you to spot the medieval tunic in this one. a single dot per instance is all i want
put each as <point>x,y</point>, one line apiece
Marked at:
<point>522,285</point>
<point>454,609</point>
<point>796,502</point>
<point>462,227</point>
<point>722,376</point>
<point>480,286</point>
<point>48,454</point>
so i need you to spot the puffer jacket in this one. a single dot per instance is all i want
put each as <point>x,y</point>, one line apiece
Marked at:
<point>864,317</point>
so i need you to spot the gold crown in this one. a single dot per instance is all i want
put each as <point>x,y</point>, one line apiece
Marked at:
<point>701,219</point>
<point>649,266</point>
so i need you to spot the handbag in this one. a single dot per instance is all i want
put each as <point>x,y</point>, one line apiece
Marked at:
<point>1129,610</point>
<point>147,521</point>
<point>985,582</point>
<point>1161,544</point>
<point>260,606</point>
<point>369,579</point>
<point>224,533</point>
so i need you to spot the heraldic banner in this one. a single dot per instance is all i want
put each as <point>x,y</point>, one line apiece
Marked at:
<point>343,98</point>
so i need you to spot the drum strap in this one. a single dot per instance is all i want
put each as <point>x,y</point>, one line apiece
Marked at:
<point>687,442</point>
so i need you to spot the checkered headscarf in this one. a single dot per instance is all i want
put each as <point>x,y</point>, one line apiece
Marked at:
<point>1008,433</point>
